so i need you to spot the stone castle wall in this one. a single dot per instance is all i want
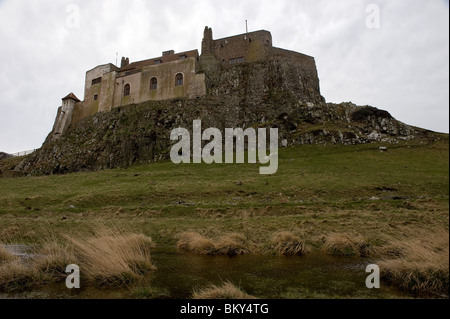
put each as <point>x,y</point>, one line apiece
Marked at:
<point>108,93</point>
<point>105,84</point>
<point>251,47</point>
<point>193,83</point>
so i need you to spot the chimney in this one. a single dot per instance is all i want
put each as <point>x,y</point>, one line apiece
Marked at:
<point>125,62</point>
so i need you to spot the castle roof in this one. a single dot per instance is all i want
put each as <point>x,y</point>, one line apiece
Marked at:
<point>162,59</point>
<point>71,96</point>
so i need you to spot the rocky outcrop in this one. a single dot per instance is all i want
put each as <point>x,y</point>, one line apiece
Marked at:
<point>273,93</point>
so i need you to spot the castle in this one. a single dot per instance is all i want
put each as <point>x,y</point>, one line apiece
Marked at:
<point>172,75</point>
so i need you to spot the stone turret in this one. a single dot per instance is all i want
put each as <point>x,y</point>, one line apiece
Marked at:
<point>64,116</point>
<point>207,43</point>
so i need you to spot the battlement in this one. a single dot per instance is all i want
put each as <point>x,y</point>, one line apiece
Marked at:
<point>246,47</point>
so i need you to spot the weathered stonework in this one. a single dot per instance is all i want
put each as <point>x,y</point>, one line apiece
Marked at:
<point>140,133</point>
<point>271,88</point>
<point>64,115</point>
<point>108,86</point>
<point>251,47</point>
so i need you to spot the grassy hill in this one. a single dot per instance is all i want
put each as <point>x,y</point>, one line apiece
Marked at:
<point>349,200</point>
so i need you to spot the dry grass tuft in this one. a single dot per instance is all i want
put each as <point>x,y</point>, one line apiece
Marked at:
<point>421,265</point>
<point>6,255</point>
<point>15,275</point>
<point>7,233</point>
<point>287,244</point>
<point>339,244</point>
<point>196,243</point>
<point>53,258</point>
<point>344,245</point>
<point>226,291</point>
<point>230,244</point>
<point>109,257</point>
<point>113,258</point>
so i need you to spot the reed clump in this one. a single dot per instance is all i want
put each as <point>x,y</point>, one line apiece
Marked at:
<point>229,244</point>
<point>106,258</point>
<point>16,275</point>
<point>342,244</point>
<point>287,244</point>
<point>419,265</point>
<point>113,258</point>
<point>225,291</point>
<point>196,243</point>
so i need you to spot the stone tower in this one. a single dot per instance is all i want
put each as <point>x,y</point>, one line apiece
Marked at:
<point>64,116</point>
<point>207,43</point>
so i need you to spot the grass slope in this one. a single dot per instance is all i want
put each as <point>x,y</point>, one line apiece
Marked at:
<point>372,199</point>
<point>329,185</point>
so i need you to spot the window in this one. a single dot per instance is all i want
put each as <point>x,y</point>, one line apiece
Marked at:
<point>127,90</point>
<point>154,84</point>
<point>237,60</point>
<point>96,81</point>
<point>95,97</point>
<point>183,56</point>
<point>158,61</point>
<point>179,79</point>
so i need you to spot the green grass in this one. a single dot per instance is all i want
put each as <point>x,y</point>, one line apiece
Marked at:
<point>319,193</point>
<point>317,189</point>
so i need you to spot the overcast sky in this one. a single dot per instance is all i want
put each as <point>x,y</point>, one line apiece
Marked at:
<point>399,62</point>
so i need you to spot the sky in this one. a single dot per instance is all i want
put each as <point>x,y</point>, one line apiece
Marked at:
<point>391,54</point>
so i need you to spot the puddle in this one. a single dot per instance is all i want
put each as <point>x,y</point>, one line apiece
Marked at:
<point>312,276</point>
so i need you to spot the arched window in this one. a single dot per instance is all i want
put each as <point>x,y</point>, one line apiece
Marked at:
<point>127,90</point>
<point>179,79</point>
<point>154,84</point>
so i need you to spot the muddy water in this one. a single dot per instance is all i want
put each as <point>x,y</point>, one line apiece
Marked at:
<point>313,276</point>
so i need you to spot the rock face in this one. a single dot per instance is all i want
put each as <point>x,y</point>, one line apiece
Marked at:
<point>273,93</point>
